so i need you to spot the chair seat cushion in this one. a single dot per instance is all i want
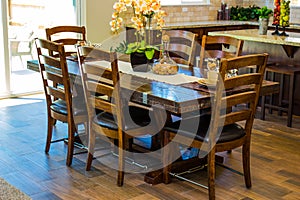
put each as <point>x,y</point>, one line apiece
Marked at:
<point>189,129</point>
<point>140,117</point>
<point>60,106</point>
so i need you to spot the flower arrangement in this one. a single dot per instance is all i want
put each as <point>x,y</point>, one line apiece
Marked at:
<point>142,10</point>
<point>145,14</point>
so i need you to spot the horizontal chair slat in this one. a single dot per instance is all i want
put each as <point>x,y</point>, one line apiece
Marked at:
<point>236,116</point>
<point>245,79</point>
<point>245,97</point>
<point>67,41</point>
<point>100,88</point>
<point>50,61</point>
<point>56,92</point>
<point>247,61</point>
<point>57,78</point>
<point>100,55</point>
<point>103,105</point>
<point>98,70</point>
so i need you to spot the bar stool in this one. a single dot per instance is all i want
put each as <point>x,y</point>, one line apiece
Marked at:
<point>290,71</point>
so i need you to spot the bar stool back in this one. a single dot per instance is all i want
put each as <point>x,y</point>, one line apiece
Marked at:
<point>291,72</point>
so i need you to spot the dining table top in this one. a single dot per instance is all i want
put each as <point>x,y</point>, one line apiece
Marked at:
<point>177,99</point>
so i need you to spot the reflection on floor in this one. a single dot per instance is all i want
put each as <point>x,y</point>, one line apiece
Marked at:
<point>275,162</point>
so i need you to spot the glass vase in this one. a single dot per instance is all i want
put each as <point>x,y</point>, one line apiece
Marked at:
<point>166,65</point>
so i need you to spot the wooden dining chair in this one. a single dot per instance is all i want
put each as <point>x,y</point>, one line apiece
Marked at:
<point>68,35</point>
<point>222,130</point>
<point>182,46</point>
<point>111,115</point>
<point>219,47</point>
<point>60,102</point>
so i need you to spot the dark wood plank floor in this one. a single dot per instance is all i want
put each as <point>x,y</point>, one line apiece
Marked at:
<point>275,163</point>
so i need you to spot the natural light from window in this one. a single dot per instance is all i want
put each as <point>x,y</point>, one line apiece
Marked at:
<point>295,2</point>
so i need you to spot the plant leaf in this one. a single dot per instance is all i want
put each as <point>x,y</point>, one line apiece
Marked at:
<point>149,53</point>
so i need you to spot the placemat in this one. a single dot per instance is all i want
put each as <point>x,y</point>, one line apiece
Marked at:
<point>125,67</point>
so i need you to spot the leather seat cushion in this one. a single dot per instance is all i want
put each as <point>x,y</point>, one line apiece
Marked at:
<point>60,106</point>
<point>187,128</point>
<point>140,117</point>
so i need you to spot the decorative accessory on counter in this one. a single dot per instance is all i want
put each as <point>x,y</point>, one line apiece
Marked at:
<point>276,16</point>
<point>224,12</point>
<point>227,14</point>
<point>276,32</point>
<point>284,16</point>
<point>264,14</point>
<point>166,65</point>
<point>219,15</point>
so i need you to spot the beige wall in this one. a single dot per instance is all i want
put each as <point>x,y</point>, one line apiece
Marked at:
<point>98,15</point>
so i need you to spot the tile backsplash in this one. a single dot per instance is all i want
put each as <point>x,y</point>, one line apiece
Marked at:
<point>295,15</point>
<point>209,12</point>
<point>196,12</point>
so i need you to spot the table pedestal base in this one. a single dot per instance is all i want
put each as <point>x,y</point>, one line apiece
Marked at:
<point>156,177</point>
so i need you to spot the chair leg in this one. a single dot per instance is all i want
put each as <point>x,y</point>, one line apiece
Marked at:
<point>246,164</point>
<point>91,148</point>
<point>263,108</point>
<point>120,179</point>
<point>291,101</point>
<point>211,174</point>
<point>263,101</point>
<point>71,138</point>
<point>281,93</point>
<point>49,134</point>
<point>271,96</point>
<point>89,162</point>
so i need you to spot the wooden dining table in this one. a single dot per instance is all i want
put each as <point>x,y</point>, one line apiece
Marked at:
<point>179,99</point>
<point>176,99</point>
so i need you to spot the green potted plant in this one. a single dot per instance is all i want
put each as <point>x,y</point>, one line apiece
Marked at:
<point>263,14</point>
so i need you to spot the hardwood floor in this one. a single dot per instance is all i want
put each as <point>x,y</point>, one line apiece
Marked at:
<point>275,163</point>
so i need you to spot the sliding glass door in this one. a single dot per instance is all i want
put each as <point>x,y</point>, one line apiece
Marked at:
<point>22,21</point>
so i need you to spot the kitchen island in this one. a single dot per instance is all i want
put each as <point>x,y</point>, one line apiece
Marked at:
<point>281,50</point>
<point>203,27</point>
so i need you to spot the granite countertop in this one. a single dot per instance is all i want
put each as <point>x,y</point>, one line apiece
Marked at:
<point>208,24</point>
<point>252,35</point>
<point>216,23</point>
<point>200,24</point>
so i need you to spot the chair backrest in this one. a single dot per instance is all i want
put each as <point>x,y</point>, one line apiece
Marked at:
<point>54,71</point>
<point>68,35</point>
<point>231,91</point>
<point>219,47</point>
<point>182,46</point>
<point>101,79</point>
